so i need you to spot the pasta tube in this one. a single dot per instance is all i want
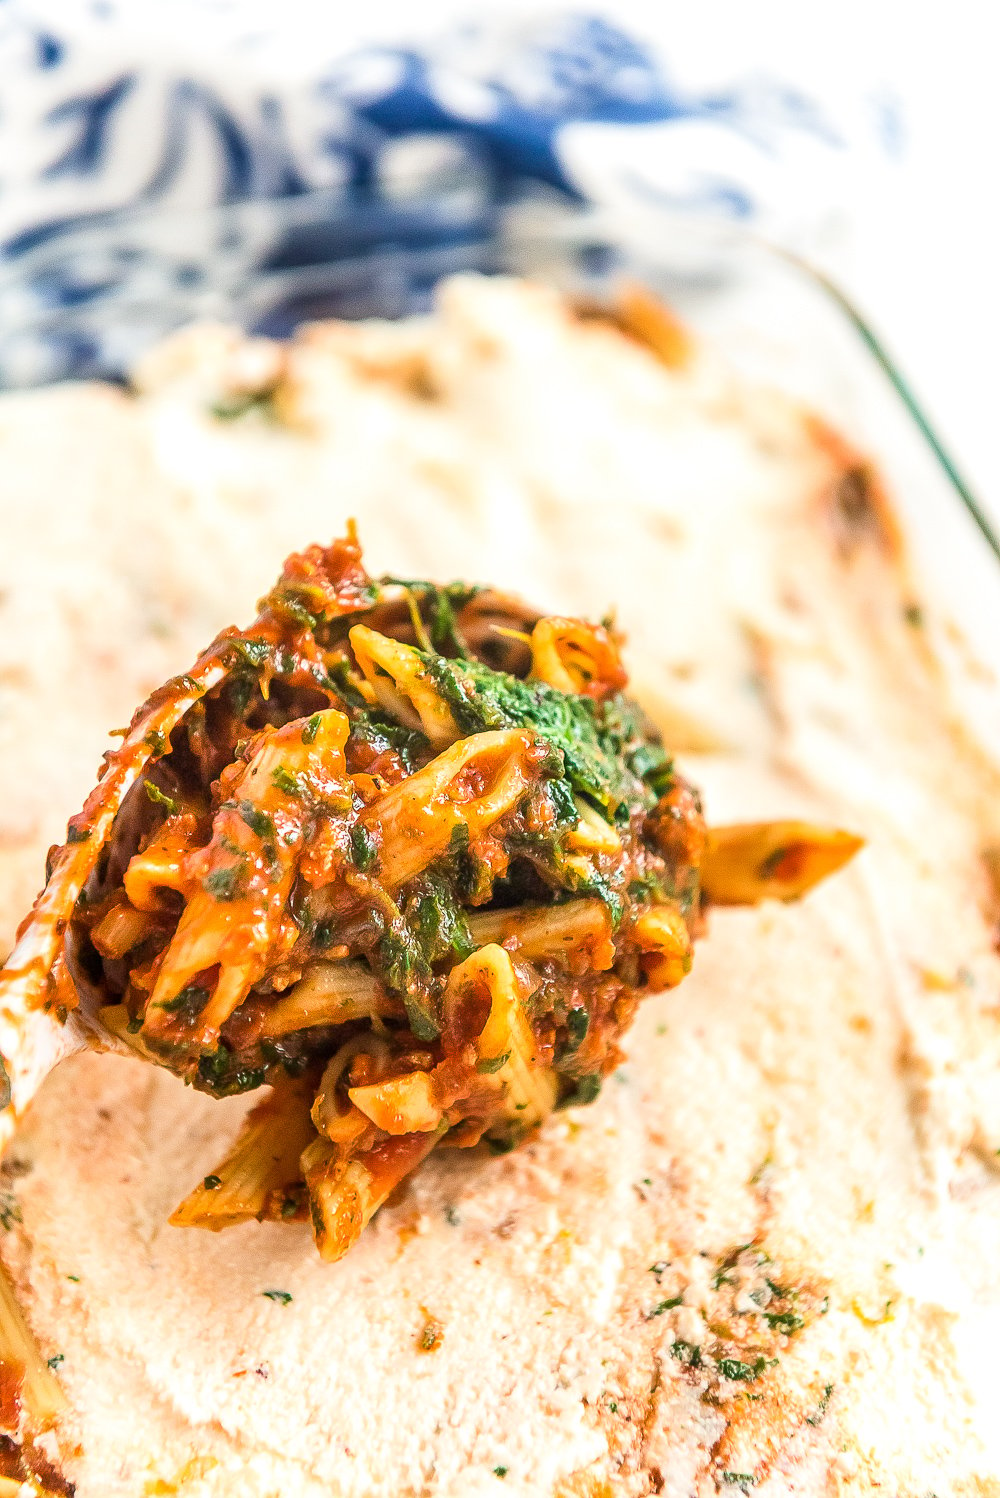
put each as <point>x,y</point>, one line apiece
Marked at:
<point>29,1381</point>
<point>506,1048</point>
<point>662,937</point>
<point>753,861</point>
<point>551,932</point>
<point>398,677</point>
<point>262,1164</point>
<point>346,1193</point>
<point>466,789</point>
<point>329,993</point>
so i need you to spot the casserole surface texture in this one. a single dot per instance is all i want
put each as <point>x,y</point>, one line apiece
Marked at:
<point>767,1257</point>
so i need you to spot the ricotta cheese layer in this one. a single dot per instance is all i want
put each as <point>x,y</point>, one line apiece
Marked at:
<point>816,1107</point>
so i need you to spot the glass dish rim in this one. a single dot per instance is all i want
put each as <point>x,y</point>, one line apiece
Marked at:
<point>481,222</point>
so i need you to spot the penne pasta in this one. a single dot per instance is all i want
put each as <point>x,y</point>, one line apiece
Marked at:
<point>329,993</point>
<point>580,927</point>
<point>262,1164</point>
<point>399,1105</point>
<point>409,856</point>
<point>120,930</point>
<point>466,789</point>
<point>160,866</point>
<point>346,1193</point>
<point>397,675</point>
<point>753,861</point>
<point>251,863</point>
<point>663,939</point>
<point>592,834</point>
<point>506,1048</point>
<point>574,656</point>
<point>28,1381</point>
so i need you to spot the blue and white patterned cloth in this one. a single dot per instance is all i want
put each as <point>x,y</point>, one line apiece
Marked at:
<point>209,158</point>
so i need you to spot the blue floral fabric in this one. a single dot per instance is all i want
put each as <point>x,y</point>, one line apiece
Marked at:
<point>143,183</point>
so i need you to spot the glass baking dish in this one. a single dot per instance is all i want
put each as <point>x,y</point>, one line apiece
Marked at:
<point>95,299</point>
<point>91,300</point>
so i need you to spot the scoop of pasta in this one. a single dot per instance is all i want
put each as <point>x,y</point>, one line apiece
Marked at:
<point>408,855</point>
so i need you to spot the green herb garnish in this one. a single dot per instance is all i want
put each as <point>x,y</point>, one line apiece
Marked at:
<point>286,781</point>
<point>665,1305</point>
<point>233,407</point>
<point>586,1090</point>
<point>10,1211</point>
<point>821,1408</point>
<point>492,1064</point>
<point>741,1372</point>
<point>363,847</point>
<point>577,1025</point>
<point>261,823</point>
<point>784,1321</point>
<point>688,1353</point>
<point>225,883</point>
<point>188,1001</point>
<point>160,798</point>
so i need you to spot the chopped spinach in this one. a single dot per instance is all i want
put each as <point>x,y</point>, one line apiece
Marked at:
<point>252,651</point>
<point>285,781</point>
<point>382,735</point>
<point>586,1090</point>
<point>439,607</point>
<point>261,823</point>
<point>188,1002</point>
<point>665,1305</point>
<point>688,1353</point>
<point>227,882</point>
<point>363,848</point>
<point>481,698</point>
<point>223,1075</point>
<point>577,1025</point>
<point>160,798</point>
<point>741,1372</point>
<point>491,1064</point>
<point>339,677</point>
<point>438,920</point>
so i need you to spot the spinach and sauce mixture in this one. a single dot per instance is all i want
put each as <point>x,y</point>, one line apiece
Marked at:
<point>407,854</point>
